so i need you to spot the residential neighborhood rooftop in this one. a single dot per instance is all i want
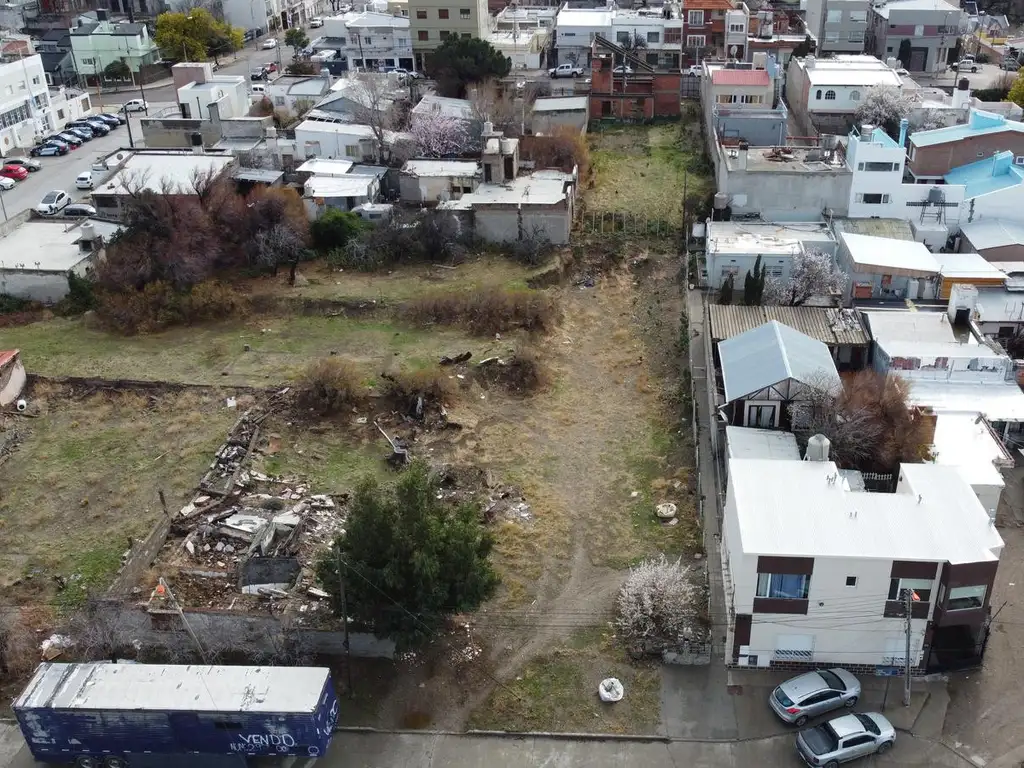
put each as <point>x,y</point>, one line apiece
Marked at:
<point>771,353</point>
<point>441,168</point>
<point>919,327</point>
<point>964,441</point>
<point>336,186</point>
<point>826,324</point>
<point>894,229</point>
<point>325,167</point>
<point>764,238</point>
<point>750,77</point>
<point>988,175</point>
<point>535,188</point>
<point>884,9</point>
<point>967,265</point>
<point>993,233</point>
<point>160,171</point>
<point>561,104</point>
<point>850,70</point>
<point>806,509</point>
<point>750,443</point>
<point>461,109</point>
<point>998,401</point>
<point>47,246</point>
<point>901,256</point>
<point>998,304</point>
<point>979,123</point>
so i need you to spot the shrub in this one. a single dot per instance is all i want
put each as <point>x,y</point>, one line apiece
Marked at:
<point>329,385</point>
<point>334,229</point>
<point>658,604</point>
<point>81,296</point>
<point>520,374</point>
<point>487,311</point>
<point>564,149</point>
<point>429,383</point>
<point>158,306</point>
<point>12,304</point>
<point>532,249</point>
<point>434,236</point>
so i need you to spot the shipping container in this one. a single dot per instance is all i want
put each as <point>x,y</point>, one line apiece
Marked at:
<point>118,715</point>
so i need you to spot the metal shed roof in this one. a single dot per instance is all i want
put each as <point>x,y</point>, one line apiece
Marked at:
<point>827,325</point>
<point>896,257</point>
<point>163,687</point>
<point>750,443</point>
<point>771,353</point>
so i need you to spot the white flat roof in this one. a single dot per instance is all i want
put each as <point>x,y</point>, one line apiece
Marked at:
<point>337,186</point>
<point>903,325</point>
<point>45,246</point>
<point>883,9</point>
<point>159,171</point>
<point>346,129</point>
<point>323,167</point>
<point>790,508</point>
<point>435,168</point>
<point>561,104</point>
<point>967,265</point>
<point>582,17</point>
<point>750,443</point>
<point>993,233</point>
<point>965,441</point>
<point>906,255</point>
<point>997,401</point>
<point>100,685</point>
<point>995,305</point>
<point>461,109</point>
<point>525,189</point>
<point>759,237</point>
<point>929,350</point>
<point>852,70</point>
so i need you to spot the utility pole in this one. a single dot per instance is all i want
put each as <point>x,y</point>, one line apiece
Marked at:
<point>344,618</point>
<point>908,605</point>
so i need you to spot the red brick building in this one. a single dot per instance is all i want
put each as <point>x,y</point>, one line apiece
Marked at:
<point>639,93</point>
<point>704,28</point>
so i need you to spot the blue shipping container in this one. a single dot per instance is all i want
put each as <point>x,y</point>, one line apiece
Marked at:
<point>72,712</point>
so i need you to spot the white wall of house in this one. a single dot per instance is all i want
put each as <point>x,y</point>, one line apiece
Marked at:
<point>333,140</point>
<point>370,40</point>
<point>432,189</point>
<point>93,53</point>
<point>68,106</point>
<point>25,109</point>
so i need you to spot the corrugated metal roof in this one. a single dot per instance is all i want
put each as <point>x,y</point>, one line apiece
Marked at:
<point>740,77</point>
<point>993,233</point>
<point>796,509</point>
<point>771,353</point>
<point>827,325</point>
<point>163,687</point>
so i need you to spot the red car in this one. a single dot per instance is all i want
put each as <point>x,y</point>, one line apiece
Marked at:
<point>15,172</point>
<point>271,67</point>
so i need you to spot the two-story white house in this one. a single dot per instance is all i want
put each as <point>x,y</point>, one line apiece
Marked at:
<point>816,571</point>
<point>369,41</point>
<point>575,29</point>
<point>25,108</point>
<point>297,94</point>
<point>97,46</point>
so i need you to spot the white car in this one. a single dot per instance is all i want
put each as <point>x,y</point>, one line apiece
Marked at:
<point>316,22</point>
<point>84,180</point>
<point>53,203</point>
<point>135,105</point>
<point>270,43</point>
<point>6,183</point>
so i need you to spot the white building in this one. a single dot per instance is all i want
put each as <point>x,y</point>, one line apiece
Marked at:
<point>346,141</point>
<point>575,29</point>
<point>659,27</point>
<point>25,108</point>
<point>968,444</point>
<point>229,92</point>
<point>884,268</point>
<point>296,94</point>
<point>526,49</point>
<point>97,46</point>
<point>37,256</point>
<point>434,181</point>
<point>343,192</point>
<point>733,248</point>
<point>369,41</point>
<point>824,93</point>
<point>814,571</point>
<point>255,17</point>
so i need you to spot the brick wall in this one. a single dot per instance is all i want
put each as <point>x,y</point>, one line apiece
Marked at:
<point>940,159</point>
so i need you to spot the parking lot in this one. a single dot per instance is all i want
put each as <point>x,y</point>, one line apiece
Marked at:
<point>60,172</point>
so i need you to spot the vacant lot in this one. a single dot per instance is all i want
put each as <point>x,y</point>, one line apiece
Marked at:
<point>85,478</point>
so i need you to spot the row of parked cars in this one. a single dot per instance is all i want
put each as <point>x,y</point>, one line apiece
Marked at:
<point>841,739</point>
<point>76,133</point>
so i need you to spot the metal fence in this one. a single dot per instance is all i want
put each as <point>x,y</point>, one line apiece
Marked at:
<point>879,483</point>
<point>608,222</point>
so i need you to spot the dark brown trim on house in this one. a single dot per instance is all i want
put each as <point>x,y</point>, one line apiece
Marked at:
<point>972,574</point>
<point>894,610</point>
<point>909,569</point>
<point>788,565</point>
<point>741,633</point>
<point>779,605</point>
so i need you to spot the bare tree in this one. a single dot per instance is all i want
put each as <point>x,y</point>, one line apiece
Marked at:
<point>658,604</point>
<point>19,648</point>
<point>812,273</point>
<point>438,135</point>
<point>104,629</point>
<point>376,108</point>
<point>278,245</point>
<point>502,107</point>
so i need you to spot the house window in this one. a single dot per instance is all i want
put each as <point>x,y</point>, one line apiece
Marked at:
<point>851,581</point>
<point>919,30</point>
<point>856,37</point>
<point>751,99</point>
<point>834,17</point>
<point>466,35</point>
<point>871,198</point>
<point>783,586</point>
<point>725,98</point>
<point>606,108</point>
<point>366,40</point>
<point>859,17</point>
<point>652,59</point>
<point>673,35</point>
<point>464,14</point>
<point>442,13</point>
<point>695,18</point>
<point>817,95</point>
<point>60,114</point>
<point>831,37</point>
<point>695,41</point>
<point>35,81</point>
<point>736,27</point>
<point>922,588</point>
<point>793,648</point>
<point>883,167</point>
<point>444,35</point>
<point>966,598</point>
<point>421,13</point>
<point>279,101</point>
<point>854,95</point>
<point>351,151</point>
<point>622,38</point>
<point>422,35</point>
<point>830,95</point>
<point>653,37</point>
<point>762,416</point>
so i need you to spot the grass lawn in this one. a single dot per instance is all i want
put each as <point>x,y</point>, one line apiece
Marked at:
<point>214,353</point>
<point>558,691</point>
<point>85,478</point>
<point>641,169</point>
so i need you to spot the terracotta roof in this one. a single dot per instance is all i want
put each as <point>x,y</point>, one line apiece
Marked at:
<point>7,355</point>
<point>707,5</point>
<point>740,77</point>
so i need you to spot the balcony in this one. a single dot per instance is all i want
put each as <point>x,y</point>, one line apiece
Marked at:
<point>894,610</point>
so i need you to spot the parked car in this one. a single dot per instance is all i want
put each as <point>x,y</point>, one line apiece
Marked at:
<point>270,44</point>
<point>58,141</point>
<point>97,125</point>
<point>271,67</point>
<point>845,738</point>
<point>565,70</point>
<point>24,162</point>
<point>622,69</point>
<point>121,119</point>
<point>72,139</point>
<point>79,209</point>
<point>259,73</point>
<point>814,693</point>
<point>84,180</point>
<point>966,64</point>
<point>694,70</point>
<point>1010,65</point>
<point>135,105</point>
<point>53,203</point>
<point>110,120</point>
<point>83,132</point>
<point>316,22</point>
<point>15,172</point>
<point>6,184</point>
<point>48,149</point>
